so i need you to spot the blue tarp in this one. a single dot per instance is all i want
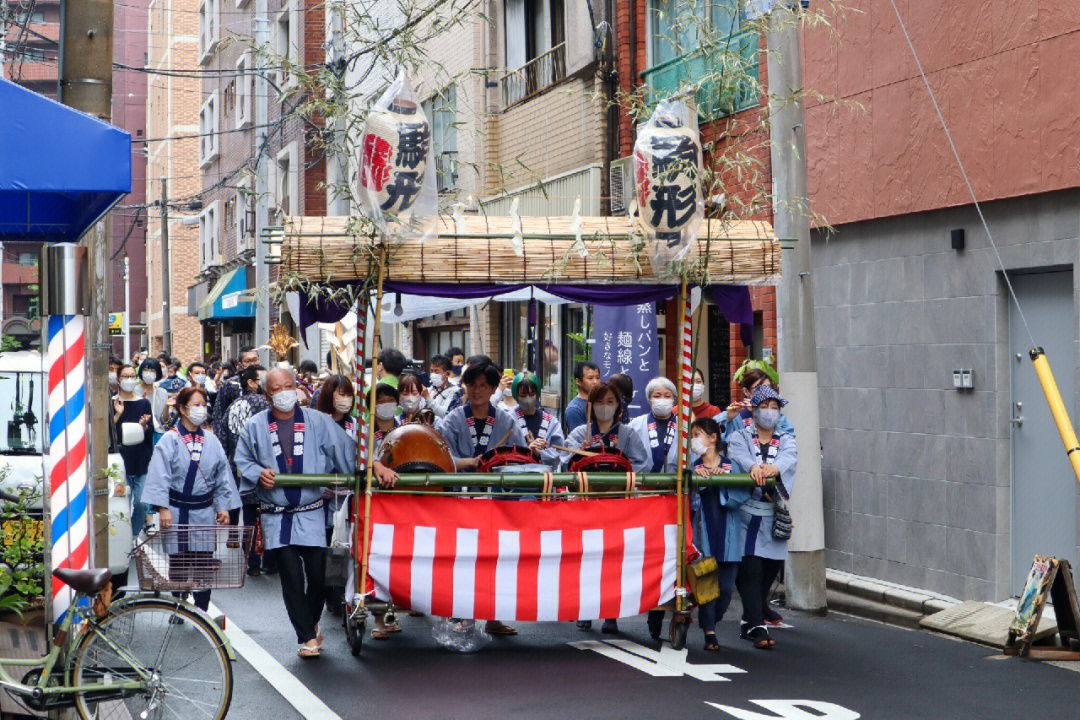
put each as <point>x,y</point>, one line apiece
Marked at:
<point>60,169</point>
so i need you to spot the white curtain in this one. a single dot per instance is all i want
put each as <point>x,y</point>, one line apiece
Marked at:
<point>515,33</point>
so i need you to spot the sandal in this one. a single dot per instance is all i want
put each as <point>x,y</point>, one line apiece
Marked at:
<point>711,645</point>
<point>760,637</point>
<point>393,628</point>
<point>610,627</point>
<point>584,625</point>
<point>318,637</point>
<point>308,653</point>
<point>494,627</point>
<point>380,634</point>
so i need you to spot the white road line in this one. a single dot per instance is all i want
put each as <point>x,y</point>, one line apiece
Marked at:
<point>288,685</point>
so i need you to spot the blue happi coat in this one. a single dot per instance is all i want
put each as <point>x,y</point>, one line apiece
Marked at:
<point>659,441</point>
<point>717,518</point>
<point>189,474</point>
<point>550,430</point>
<point>756,514</point>
<point>466,443</point>
<point>626,439</point>
<point>293,516</point>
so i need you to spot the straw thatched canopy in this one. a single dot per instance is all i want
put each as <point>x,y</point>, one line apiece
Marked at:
<point>481,249</point>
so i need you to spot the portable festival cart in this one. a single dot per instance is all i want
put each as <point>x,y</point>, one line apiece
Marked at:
<point>341,264</point>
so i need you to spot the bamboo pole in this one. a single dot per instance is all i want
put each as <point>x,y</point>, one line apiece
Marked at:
<point>645,481</point>
<point>369,470</point>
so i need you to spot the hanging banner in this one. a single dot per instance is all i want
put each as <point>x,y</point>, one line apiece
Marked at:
<point>625,342</point>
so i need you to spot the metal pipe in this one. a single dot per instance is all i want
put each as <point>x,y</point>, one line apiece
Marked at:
<point>646,481</point>
<point>1057,408</point>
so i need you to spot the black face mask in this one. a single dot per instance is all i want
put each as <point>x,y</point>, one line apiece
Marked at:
<point>457,369</point>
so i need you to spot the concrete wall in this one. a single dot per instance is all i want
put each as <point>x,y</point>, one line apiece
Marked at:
<point>917,476</point>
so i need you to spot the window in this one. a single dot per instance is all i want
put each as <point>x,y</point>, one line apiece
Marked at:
<point>209,247</point>
<point>441,111</point>
<point>228,98</point>
<point>20,304</point>
<point>702,42</point>
<point>209,28</point>
<point>337,193</point>
<point>28,258</point>
<point>285,179</point>
<point>208,131</point>
<point>244,79</point>
<point>243,206</point>
<point>535,38</point>
<point>29,17</point>
<point>229,216</point>
<point>286,48</point>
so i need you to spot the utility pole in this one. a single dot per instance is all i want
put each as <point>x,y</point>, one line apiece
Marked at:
<point>127,309</point>
<point>262,185</point>
<point>86,53</point>
<point>804,577</point>
<point>166,281</point>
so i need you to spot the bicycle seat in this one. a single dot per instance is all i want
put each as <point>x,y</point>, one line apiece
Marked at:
<point>88,582</point>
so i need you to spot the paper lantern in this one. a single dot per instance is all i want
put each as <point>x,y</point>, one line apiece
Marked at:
<point>396,143</point>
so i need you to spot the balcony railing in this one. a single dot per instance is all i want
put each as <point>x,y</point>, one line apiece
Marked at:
<point>730,74</point>
<point>532,77</point>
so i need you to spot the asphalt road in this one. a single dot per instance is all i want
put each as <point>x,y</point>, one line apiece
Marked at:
<point>855,667</point>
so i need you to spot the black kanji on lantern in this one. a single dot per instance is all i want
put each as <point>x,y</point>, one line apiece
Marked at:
<point>413,142</point>
<point>678,203</point>
<point>404,188</point>
<point>673,154</point>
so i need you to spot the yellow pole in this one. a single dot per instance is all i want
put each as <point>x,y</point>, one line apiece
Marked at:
<point>1057,408</point>
<point>371,430</point>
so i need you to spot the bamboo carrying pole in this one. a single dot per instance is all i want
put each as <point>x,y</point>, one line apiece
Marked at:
<point>1057,408</point>
<point>369,470</point>
<point>644,481</point>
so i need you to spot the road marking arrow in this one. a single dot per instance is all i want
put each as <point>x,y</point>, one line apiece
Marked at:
<point>667,662</point>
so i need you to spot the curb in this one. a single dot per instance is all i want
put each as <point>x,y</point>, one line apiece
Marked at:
<point>883,602</point>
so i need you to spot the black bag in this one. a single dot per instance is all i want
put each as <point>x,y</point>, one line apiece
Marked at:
<point>781,524</point>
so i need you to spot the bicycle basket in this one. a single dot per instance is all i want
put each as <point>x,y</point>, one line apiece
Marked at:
<point>193,557</point>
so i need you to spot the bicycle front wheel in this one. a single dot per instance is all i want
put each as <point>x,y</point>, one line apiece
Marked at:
<point>190,669</point>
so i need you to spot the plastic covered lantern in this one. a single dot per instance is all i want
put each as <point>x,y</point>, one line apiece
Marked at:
<point>396,153</point>
<point>667,175</point>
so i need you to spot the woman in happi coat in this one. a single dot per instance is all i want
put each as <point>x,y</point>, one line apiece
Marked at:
<point>476,427</point>
<point>739,415</point>
<point>542,430</point>
<point>604,429</point>
<point>716,522</point>
<point>288,438</point>
<point>765,451</point>
<point>189,482</point>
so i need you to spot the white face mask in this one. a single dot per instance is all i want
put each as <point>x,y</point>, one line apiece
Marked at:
<point>455,381</point>
<point>528,404</point>
<point>698,446</point>
<point>199,379</point>
<point>411,403</point>
<point>698,392</point>
<point>284,400</point>
<point>128,384</point>
<point>604,413</point>
<point>149,377</point>
<point>385,411</point>
<point>437,381</point>
<point>197,414</point>
<point>112,378</point>
<point>343,404</point>
<point>661,407</point>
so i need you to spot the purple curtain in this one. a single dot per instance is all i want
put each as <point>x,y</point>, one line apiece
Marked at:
<point>734,303</point>
<point>732,300</point>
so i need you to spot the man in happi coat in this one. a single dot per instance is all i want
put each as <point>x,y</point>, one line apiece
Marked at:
<point>287,438</point>
<point>476,427</point>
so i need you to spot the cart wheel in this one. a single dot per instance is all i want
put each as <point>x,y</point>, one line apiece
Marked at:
<point>678,633</point>
<point>354,633</point>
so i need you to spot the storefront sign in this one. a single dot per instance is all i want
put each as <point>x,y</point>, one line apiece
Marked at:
<point>625,342</point>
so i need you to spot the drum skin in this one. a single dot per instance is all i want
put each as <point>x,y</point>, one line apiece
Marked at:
<point>608,460</point>
<point>416,448</point>
<point>497,458</point>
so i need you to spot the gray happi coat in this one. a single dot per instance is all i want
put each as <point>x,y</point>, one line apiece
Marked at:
<point>628,442</point>
<point>172,482</point>
<point>326,450</point>
<point>756,514</point>
<point>455,431</point>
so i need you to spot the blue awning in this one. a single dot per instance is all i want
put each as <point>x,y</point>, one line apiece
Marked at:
<point>60,169</point>
<point>224,301</point>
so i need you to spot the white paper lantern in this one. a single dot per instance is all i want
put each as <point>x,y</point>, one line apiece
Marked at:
<point>395,152</point>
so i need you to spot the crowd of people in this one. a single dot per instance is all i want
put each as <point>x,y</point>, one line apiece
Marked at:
<point>203,444</point>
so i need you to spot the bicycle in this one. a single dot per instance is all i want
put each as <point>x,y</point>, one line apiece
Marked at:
<point>147,656</point>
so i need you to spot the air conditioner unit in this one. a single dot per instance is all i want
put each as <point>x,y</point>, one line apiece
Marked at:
<point>621,185</point>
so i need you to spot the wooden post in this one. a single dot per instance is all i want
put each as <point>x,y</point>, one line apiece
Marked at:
<point>371,431</point>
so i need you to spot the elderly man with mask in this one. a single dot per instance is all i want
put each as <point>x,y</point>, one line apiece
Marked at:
<point>287,438</point>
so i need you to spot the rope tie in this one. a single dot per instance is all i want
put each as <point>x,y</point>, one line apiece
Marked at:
<point>549,482</point>
<point>631,482</point>
<point>583,482</point>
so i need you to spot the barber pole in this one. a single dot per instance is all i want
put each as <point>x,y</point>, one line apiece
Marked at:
<point>69,497</point>
<point>687,376</point>
<point>361,397</point>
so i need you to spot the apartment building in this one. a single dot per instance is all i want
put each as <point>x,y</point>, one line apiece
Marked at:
<point>173,102</point>
<point>930,481</point>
